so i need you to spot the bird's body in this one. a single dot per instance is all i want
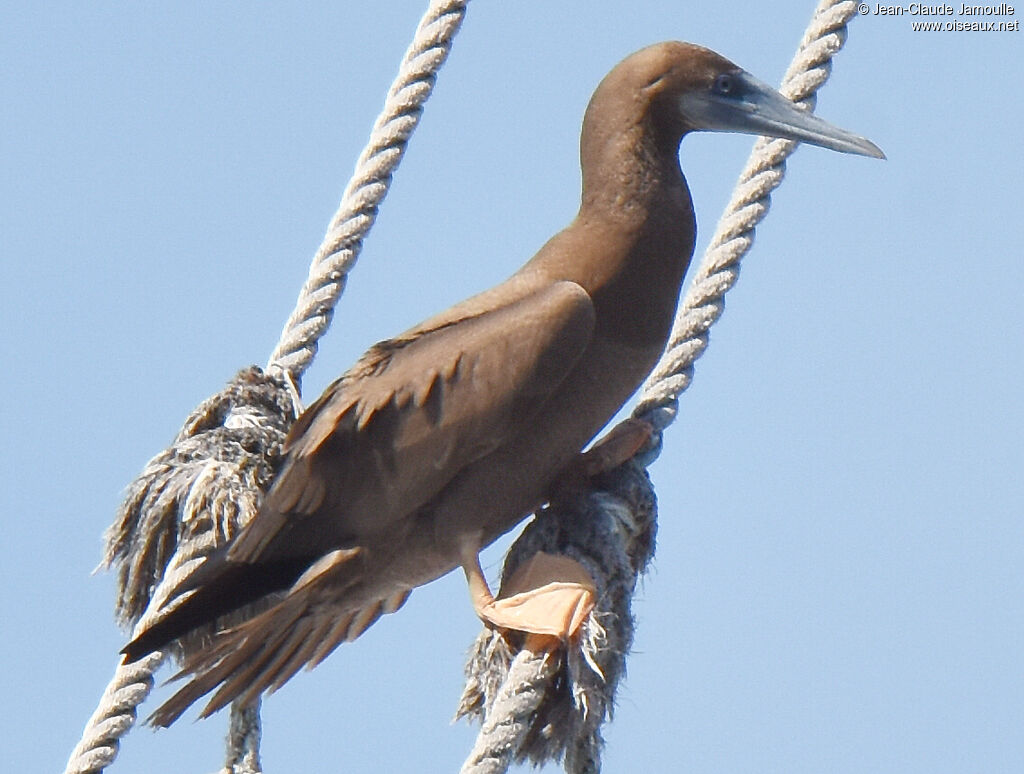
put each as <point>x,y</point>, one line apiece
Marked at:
<point>439,441</point>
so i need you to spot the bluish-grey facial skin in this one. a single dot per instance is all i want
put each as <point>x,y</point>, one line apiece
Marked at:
<point>739,102</point>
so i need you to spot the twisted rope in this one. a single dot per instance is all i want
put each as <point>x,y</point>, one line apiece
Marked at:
<point>130,686</point>
<point>368,187</point>
<point>150,532</point>
<point>610,532</point>
<point>244,740</point>
<point>514,706</point>
<point>114,717</point>
<point>502,738</point>
<point>718,271</point>
<point>188,499</point>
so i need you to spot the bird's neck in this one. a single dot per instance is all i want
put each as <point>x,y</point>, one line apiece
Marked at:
<point>633,238</point>
<point>626,166</point>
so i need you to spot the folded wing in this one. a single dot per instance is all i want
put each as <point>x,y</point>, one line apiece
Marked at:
<point>381,442</point>
<point>414,411</point>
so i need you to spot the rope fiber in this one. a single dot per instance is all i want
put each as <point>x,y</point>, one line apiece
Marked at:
<point>368,187</point>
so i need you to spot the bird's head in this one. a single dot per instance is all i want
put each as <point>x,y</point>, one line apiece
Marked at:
<point>672,88</point>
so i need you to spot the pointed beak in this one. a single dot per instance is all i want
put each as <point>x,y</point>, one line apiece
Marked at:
<point>741,103</point>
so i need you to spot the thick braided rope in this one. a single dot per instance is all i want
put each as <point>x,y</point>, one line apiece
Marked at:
<point>718,271</point>
<point>368,187</point>
<point>244,733</point>
<point>511,716</point>
<point>702,306</point>
<point>114,717</point>
<point>187,500</point>
<point>559,714</point>
<point>131,684</point>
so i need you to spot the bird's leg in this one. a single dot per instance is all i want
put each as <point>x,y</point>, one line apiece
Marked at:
<point>479,591</point>
<point>547,596</point>
<point>618,446</point>
<point>550,595</point>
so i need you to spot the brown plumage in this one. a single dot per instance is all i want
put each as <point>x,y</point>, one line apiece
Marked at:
<point>440,440</point>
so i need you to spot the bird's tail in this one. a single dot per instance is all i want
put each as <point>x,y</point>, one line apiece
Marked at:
<point>264,652</point>
<point>218,587</point>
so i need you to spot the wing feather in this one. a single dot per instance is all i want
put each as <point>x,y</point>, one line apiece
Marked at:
<point>413,412</point>
<point>377,446</point>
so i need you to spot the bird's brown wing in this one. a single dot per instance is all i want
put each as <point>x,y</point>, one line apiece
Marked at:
<point>384,440</point>
<point>381,441</point>
<point>414,411</point>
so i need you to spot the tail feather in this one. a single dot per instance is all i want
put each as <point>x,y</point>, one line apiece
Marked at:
<point>264,652</point>
<point>221,586</point>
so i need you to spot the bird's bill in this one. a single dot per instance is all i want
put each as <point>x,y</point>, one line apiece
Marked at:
<point>753,107</point>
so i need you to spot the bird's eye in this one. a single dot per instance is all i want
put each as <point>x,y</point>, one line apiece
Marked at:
<point>725,84</point>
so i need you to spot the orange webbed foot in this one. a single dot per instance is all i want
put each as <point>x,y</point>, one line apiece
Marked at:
<point>548,597</point>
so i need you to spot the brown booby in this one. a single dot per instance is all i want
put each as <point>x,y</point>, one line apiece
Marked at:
<point>442,439</point>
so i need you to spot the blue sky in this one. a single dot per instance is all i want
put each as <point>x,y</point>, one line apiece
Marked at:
<point>838,581</point>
